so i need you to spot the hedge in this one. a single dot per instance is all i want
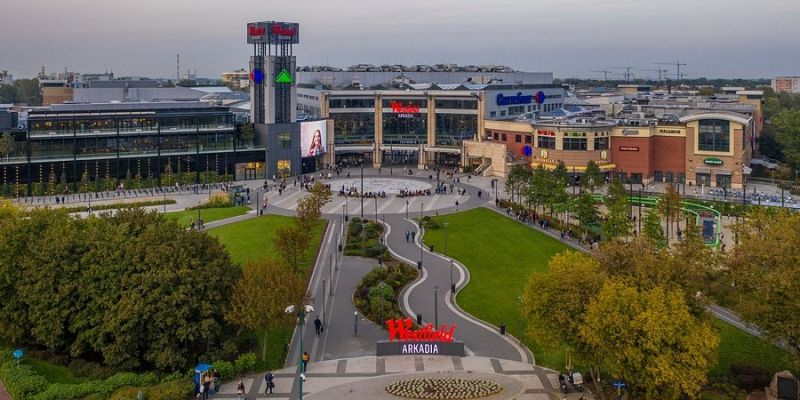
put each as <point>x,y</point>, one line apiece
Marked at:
<point>21,381</point>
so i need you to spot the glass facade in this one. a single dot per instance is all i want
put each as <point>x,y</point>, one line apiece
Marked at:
<point>574,143</point>
<point>601,143</point>
<point>352,103</point>
<point>452,129</point>
<point>404,128</point>
<point>546,142</point>
<point>457,104</point>
<point>354,128</point>
<point>714,135</point>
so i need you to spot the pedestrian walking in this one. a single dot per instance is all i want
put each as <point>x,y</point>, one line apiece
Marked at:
<point>217,380</point>
<point>413,234</point>
<point>269,380</point>
<point>408,236</point>
<point>317,326</point>
<point>241,391</point>
<point>456,205</point>
<point>306,359</point>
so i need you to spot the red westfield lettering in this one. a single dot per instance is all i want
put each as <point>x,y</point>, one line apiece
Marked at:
<point>401,330</point>
<point>283,31</point>
<point>399,108</point>
<point>255,30</point>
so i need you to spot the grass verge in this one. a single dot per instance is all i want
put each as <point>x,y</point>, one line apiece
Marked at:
<point>184,218</point>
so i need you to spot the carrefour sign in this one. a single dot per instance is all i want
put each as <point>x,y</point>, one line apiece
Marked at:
<point>520,98</point>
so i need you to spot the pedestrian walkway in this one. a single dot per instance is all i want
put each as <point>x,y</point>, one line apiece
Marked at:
<point>365,378</point>
<point>3,393</point>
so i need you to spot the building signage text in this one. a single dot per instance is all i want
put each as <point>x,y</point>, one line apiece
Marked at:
<point>401,330</point>
<point>510,100</point>
<point>404,111</point>
<point>630,132</point>
<point>712,161</point>
<point>420,348</point>
<point>628,148</point>
<point>678,131</point>
<point>545,133</point>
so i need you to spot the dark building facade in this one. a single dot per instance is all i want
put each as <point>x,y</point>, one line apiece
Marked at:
<point>143,144</point>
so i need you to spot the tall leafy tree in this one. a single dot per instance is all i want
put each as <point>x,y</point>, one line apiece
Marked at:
<point>6,144</point>
<point>669,203</point>
<point>586,210</point>
<point>592,177</point>
<point>262,293</point>
<point>764,268</point>
<point>650,339</point>
<point>652,228</point>
<point>28,92</point>
<point>516,180</point>
<point>617,223</point>
<point>8,94</point>
<point>786,126</point>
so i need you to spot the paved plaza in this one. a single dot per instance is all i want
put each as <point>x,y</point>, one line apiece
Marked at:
<point>365,378</point>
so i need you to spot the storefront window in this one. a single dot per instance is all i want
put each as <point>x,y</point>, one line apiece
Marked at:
<point>703,179</point>
<point>354,128</point>
<point>574,143</point>
<point>724,181</point>
<point>714,135</point>
<point>453,129</point>
<point>404,128</point>
<point>352,103</point>
<point>457,104</point>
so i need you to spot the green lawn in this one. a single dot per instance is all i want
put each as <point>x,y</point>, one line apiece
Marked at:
<point>251,240</point>
<point>737,347</point>
<point>500,253</point>
<point>184,218</point>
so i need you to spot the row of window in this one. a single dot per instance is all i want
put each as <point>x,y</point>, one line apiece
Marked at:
<point>549,142</point>
<point>359,128</point>
<point>454,104</point>
<point>517,110</point>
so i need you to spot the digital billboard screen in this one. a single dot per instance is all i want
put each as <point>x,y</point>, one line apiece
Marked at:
<point>313,138</point>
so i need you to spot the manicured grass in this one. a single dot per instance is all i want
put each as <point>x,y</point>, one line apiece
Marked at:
<point>737,347</point>
<point>500,254</point>
<point>252,239</point>
<point>185,218</point>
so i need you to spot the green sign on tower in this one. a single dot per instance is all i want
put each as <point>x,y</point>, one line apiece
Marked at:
<point>284,77</point>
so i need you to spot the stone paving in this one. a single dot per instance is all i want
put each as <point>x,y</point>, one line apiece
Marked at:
<point>365,378</point>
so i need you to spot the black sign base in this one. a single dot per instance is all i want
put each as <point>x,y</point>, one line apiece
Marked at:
<point>395,348</point>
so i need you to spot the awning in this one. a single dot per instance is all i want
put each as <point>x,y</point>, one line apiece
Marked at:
<point>399,147</point>
<point>353,148</point>
<point>702,170</point>
<point>722,171</point>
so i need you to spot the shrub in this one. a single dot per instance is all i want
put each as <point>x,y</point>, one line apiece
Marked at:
<point>217,200</point>
<point>225,369</point>
<point>123,393</point>
<point>172,390</point>
<point>22,382</point>
<point>750,377</point>
<point>88,369</point>
<point>244,363</point>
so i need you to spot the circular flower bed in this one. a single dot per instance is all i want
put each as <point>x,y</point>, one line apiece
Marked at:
<point>444,388</point>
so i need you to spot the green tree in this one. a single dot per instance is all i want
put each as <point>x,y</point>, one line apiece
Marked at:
<point>6,145</point>
<point>592,177</point>
<point>516,180</point>
<point>64,185</point>
<point>537,191</point>
<point>586,210</point>
<point>262,293</point>
<point>28,92</point>
<point>617,223</point>
<point>652,228</point>
<point>669,203</point>
<point>85,182</point>
<point>166,177</point>
<point>291,241</point>
<point>52,182</point>
<point>247,132</point>
<point>8,94</point>
<point>786,126</point>
<point>650,339</point>
<point>764,269</point>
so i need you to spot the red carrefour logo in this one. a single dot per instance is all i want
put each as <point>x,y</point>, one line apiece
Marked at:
<point>255,30</point>
<point>401,330</point>
<point>283,31</point>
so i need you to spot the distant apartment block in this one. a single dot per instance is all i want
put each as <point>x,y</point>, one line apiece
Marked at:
<point>787,84</point>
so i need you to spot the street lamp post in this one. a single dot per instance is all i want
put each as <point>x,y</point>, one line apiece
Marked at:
<point>323,301</point>
<point>199,218</point>
<point>301,312</point>
<point>330,273</point>
<point>406,209</point>
<point>445,238</point>
<point>363,238</point>
<point>452,284</point>
<point>421,208</point>
<point>436,306</point>
<point>376,209</point>
<point>362,189</point>
<point>640,210</point>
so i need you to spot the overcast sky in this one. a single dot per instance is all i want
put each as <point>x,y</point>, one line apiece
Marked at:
<point>571,38</point>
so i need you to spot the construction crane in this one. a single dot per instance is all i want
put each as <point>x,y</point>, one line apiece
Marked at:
<point>628,73</point>
<point>605,74</point>
<point>678,66</point>
<point>662,73</point>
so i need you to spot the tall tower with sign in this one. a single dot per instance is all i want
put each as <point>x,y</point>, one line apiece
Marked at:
<point>272,71</point>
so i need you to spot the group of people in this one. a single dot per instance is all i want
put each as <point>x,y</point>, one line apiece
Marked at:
<point>353,192</point>
<point>209,384</point>
<point>414,193</point>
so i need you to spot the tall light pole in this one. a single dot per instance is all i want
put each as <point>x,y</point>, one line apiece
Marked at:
<point>376,208</point>
<point>363,238</point>
<point>445,239</point>
<point>421,207</point>
<point>640,211</point>
<point>436,306</point>
<point>301,312</point>
<point>452,284</point>
<point>362,189</point>
<point>406,209</point>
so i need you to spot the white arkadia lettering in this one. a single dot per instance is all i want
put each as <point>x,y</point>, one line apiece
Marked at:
<point>420,348</point>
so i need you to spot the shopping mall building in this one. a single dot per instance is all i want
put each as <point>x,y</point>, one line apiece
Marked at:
<point>703,148</point>
<point>420,124</point>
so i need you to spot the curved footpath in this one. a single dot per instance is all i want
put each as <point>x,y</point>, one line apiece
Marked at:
<point>480,338</point>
